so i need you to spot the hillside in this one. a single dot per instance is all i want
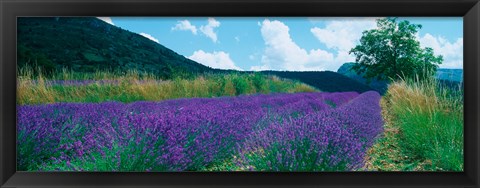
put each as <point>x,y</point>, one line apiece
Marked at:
<point>323,80</point>
<point>449,77</point>
<point>377,85</point>
<point>455,75</point>
<point>88,44</point>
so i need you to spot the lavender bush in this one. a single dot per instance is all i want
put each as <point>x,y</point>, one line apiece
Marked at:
<point>333,139</point>
<point>264,132</point>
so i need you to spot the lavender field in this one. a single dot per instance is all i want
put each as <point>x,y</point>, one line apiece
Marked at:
<point>278,132</point>
<point>262,95</point>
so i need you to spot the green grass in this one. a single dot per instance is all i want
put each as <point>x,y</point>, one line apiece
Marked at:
<point>423,129</point>
<point>133,86</point>
<point>110,159</point>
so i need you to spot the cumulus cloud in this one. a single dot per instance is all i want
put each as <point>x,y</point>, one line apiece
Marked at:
<point>452,52</point>
<point>282,53</point>
<point>343,34</point>
<point>185,25</point>
<point>150,37</point>
<point>106,19</point>
<point>207,30</point>
<point>219,60</point>
<point>260,68</point>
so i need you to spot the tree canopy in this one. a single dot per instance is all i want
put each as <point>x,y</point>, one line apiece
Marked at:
<point>391,51</point>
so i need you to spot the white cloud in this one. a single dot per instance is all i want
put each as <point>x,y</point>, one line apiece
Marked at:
<point>260,68</point>
<point>343,34</point>
<point>342,57</point>
<point>207,30</point>
<point>237,38</point>
<point>282,53</point>
<point>150,37</point>
<point>106,19</point>
<point>185,25</point>
<point>452,52</point>
<point>219,60</point>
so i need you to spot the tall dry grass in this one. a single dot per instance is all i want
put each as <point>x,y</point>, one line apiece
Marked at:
<point>134,86</point>
<point>430,120</point>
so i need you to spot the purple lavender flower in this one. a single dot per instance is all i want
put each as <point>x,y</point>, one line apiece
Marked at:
<point>289,132</point>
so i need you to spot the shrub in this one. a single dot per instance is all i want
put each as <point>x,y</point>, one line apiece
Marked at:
<point>430,119</point>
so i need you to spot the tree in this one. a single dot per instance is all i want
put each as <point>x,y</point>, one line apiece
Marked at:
<point>391,51</point>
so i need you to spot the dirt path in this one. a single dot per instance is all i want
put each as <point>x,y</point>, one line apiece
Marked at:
<point>386,154</point>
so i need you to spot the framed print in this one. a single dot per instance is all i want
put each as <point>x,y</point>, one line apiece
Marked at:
<point>239,93</point>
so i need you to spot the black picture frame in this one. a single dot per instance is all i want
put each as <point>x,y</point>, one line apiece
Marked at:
<point>10,9</point>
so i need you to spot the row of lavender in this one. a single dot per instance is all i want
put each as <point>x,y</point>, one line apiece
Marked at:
<point>278,132</point>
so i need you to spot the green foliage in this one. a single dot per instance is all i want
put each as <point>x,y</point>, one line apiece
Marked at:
<point>241,85</point>
<point>131,158</point>
<point>259,83</point>
<point>28,57</point>
<point>331,103</point>
<point>430,121</point>
<point>391,52</point>
<point>91,57</point>
<point>268,160</point>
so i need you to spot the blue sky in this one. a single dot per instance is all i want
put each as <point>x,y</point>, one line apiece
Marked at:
<point>283,43</point>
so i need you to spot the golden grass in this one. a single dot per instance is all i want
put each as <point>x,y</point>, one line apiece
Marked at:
<point>133,86</point>
<point>422,99</point>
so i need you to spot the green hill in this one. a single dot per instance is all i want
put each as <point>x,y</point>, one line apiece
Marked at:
<point>87,44</point>
<point>378,85</point>
<point>449,77</point>
<point>454,75</point>
<point>323,80</point>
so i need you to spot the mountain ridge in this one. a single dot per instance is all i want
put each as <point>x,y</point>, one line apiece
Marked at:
<point>449,77</point>
<point>89,44</point>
